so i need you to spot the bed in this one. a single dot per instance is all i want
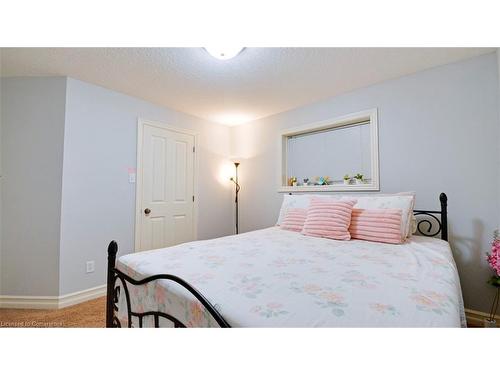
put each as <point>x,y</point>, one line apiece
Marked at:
<point>278,278</point>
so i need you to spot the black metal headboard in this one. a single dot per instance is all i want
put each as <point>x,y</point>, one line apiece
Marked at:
<point>430,218</point>
<point>432,223</point>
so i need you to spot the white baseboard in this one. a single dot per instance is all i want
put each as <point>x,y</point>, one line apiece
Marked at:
<point>51,302</point>
<point>476,318</point>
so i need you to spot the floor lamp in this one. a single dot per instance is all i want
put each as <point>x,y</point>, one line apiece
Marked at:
<point>237,187</point>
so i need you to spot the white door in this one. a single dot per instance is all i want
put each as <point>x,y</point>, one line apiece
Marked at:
<point>166,175</point>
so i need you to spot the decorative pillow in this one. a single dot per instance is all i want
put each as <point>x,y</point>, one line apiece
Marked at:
<point>329,218</point>
<point>376,225</point>
<point>403,201</point>
<point>293,201</point>
<point>302,201</point>
<point>294,219</point>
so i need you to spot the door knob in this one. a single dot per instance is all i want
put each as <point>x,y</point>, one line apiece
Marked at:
<point>147,211</point>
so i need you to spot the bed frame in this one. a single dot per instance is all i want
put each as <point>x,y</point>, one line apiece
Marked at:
<point>430,224</point>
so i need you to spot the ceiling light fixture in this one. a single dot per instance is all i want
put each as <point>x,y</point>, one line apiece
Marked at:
<point>225,53</point>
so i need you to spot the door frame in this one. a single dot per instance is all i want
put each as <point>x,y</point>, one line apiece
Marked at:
<point>139,182</point>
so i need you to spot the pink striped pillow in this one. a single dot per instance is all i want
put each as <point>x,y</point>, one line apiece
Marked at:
<point>329,218</point>
<point>294,219</point>
<point>377,225</point>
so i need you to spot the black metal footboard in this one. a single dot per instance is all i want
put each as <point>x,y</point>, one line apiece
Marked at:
<point>113,293</point>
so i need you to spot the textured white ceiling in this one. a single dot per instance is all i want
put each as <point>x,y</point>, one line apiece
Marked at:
<point>258,82</point>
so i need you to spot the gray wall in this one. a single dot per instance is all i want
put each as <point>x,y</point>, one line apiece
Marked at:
<point>66,149</point>
<point>99,202</point>
<point>32,122</point>
<point>439,130</point>
<point>1,184</point>
<point>498,65</point>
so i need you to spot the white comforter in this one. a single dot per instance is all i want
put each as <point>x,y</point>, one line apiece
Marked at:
<point>278,278</point>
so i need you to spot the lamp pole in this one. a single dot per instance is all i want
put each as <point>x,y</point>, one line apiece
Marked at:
<point>237,188</point>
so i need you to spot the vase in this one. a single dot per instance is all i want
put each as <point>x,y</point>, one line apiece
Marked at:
<point>490,323</point>
<point>347,182</point>
<point>359,181</point>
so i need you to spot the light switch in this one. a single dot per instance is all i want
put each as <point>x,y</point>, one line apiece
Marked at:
<point>131,178</point>
<point>90,266</point>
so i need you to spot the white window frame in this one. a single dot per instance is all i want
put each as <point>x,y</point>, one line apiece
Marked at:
<point>367,115</point>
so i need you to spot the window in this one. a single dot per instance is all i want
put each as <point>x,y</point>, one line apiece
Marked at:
<point>328,156</point>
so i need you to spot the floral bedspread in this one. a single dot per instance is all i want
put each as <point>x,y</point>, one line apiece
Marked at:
<point>278,278</point>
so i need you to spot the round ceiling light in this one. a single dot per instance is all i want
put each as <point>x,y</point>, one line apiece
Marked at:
<point>224,53</point>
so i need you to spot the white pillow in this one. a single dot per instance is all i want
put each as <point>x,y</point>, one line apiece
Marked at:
<point>414,225</point>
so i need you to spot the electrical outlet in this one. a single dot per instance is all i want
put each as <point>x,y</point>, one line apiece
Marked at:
<point>90,266</point>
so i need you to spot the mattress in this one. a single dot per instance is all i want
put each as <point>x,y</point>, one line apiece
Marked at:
<point>278,278</point>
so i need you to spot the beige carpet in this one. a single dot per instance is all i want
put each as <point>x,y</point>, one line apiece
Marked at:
<point>85,315</point>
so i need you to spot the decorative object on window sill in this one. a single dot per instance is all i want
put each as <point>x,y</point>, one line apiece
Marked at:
<point>359,179</point>
<point>323,181</point>
<point>326,181</point>
<point>237,190</point>
<point>493,259</point>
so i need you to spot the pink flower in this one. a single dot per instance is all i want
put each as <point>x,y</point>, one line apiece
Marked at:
<point>493,258</point>
<point>160,295</point>
<point>424,300</point>
<point>332,297</point>
<point>197,310</point>
<point>311,288</point>
<point>274,305</point>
